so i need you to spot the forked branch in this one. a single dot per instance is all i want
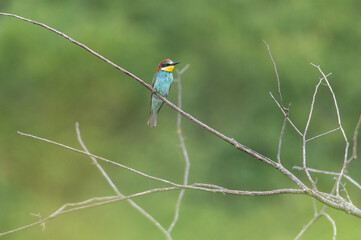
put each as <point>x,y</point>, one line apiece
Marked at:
<point>329,199</point>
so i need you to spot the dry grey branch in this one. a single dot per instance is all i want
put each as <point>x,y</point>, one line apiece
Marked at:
<point>115,189</point>
<point>100,158</point>
<point>183,147</point>
<point>322,134</point>
<point>354,139</point>
<point>99,201</point>
<point>231,141</point>
<point>277,76</point>
<point>343,169</point>
<point>304,140</point>
<point>219,189</point>
<point>321,197</point>
<point>333,224</point>
<point>281,135</point>
<point>346,192</point>
<point>95,162</point>
<point>313,220</point>
<point>329,199</point>
<point>330,173</point>
<point>194,187</point>
<point>307,226</point>
<point>285,114</point>
<point>107,200</point>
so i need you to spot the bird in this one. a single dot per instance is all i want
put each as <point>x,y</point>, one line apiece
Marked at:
<point>162,81</point>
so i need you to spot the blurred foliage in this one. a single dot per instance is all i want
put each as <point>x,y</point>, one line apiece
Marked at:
<point>47,84</point>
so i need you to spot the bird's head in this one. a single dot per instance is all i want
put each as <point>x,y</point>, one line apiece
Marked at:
<point>167,65</point>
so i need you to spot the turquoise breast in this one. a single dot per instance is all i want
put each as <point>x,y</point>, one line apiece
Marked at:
<point>163,80</point>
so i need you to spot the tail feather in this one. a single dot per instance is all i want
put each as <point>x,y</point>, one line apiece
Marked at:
<point>152,120</point>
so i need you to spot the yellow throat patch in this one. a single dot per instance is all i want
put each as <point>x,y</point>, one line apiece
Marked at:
<point>168,69</point>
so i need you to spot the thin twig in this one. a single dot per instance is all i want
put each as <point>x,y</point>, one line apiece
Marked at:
<point>95,162</point>
<point>354,139</point>
<point>107,200</point>
<point>343,169</point>
<point>333,225</point>
<point>285,114</point>
<point>116,190</point>
<point>305,133</point>
<point>183,147</point>
<point>314,203</point>
<point>313,220</point>
<point>337,203</point>
<point>100,158</point>
<point>219,189</point>
<point>322,134</point>
<point>85,202</point>
<point>277,76</point>
<point>346,192</point>
<point>100,201</point>
<point>207,185</point>
<point>307,226</point>
<point>330,173</point>
<point>281,135</point>
<point>279,167</point>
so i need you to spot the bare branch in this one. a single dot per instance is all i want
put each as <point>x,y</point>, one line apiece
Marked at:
<point>207,185</point>
<point>100,158</point>
<point>231,141</point>
<point>95,162</point>
<point>218,189</point>
<point>277,76</point>
<point>285,114</point>
<point>88,204</point>
<point>308,225</point>
<point>330,173</point>
<point>82,203</point>
<point>354,147</point>
<point>100,201</point>
<point>331,200</point>
<point>313,220</point>
<point>343,169</point>
<point>281,136</point>
<point>314,203</point>
<point>183,147</point>
<point>322,134</point>
<point>337,203</point>
<point>333,225</point>
<point>115,189</point>
<point>304,140</point>
<point>346,192</point>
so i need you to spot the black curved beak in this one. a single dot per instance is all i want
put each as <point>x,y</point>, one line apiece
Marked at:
<point>175,63</point>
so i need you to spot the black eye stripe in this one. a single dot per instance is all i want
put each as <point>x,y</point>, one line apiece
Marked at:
<point>165,65</point>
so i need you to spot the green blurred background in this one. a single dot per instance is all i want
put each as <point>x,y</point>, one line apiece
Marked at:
<point>47,84</point>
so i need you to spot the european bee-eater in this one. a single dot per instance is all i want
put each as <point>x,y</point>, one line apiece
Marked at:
<point>161,83</point>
